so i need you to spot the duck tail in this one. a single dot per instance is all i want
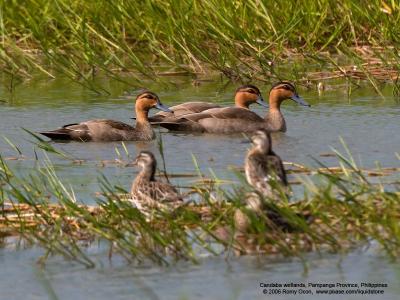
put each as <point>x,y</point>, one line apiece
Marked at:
<point>59,134</point>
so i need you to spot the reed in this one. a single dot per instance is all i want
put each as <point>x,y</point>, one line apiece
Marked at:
<point>251,40</point>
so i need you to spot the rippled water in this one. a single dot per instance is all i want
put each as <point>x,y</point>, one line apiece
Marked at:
<point>368,123</point>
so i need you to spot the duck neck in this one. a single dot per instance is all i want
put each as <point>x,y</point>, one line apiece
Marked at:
<point>142,115</point>
<point>262,149</point>
<point>241,102</point>
<point>142,121</point>
<point>147,173</point>
<point>275,118</point>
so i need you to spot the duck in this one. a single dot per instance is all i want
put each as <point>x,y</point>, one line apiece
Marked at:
<point>104,130</point>
<point>266,174</point>
<point>262,166</point>
<point>245,95</point>
<point>147,191</point>
<point>264,171</point>
<point>237,119</point>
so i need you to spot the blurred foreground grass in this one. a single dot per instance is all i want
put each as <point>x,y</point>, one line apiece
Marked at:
<point>344,210</point>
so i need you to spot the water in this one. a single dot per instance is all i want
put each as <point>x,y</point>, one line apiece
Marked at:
<point>22,278</point>
<point>368,124</point>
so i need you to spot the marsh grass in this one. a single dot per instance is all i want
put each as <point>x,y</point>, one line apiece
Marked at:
<point>338,212</point>
<point>250,40</point>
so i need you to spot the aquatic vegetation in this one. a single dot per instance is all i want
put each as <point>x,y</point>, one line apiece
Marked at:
<point>345,210</point>
<point>244,41</point>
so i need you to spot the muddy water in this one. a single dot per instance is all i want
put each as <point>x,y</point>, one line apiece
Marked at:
<point>368,123</point>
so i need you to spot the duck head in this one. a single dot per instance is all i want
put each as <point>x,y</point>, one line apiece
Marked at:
<point>147,100</point>
<point>284,90</point>
<point>247,95</point>
<point>261,140</point>
<point>147,162</point>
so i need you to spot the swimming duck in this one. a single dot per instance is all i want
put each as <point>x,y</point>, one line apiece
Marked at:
<point>110,130</point>
<point>244,97</point>
<point>146,190</point>
<point>237,119</point>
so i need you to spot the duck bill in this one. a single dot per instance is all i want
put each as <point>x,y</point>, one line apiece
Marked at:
<point>299,100</point>
<point>133,163</point>
<point>246,141</point>
<point>162,107</point>
<point>261,102</point>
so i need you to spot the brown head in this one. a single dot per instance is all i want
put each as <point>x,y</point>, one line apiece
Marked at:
<point>284,90</point>
<point>148,163</point>
<point>247,95</point>
<point>145,101</point>
<point>261,140</point>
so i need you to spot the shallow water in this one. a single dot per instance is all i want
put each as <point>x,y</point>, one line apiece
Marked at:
<point>368,124</point>
<point>214,278</point>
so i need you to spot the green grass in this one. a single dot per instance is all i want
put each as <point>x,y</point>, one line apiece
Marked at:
<point>244,40</point>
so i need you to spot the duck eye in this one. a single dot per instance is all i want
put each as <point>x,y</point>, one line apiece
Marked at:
<point>147,96</point>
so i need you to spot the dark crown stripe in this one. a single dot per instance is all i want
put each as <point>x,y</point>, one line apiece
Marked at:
<point>148,153</point>
<point>144,91</point>
<point>247,86</point>
<point>284,82</point>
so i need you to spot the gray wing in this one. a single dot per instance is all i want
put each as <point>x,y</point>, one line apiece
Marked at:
<point>233,113</point>
<point>192,107</point>
<point>109,123</point>
<point>223,113</point>
<point>89,130</point>
<point>182,109</point>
